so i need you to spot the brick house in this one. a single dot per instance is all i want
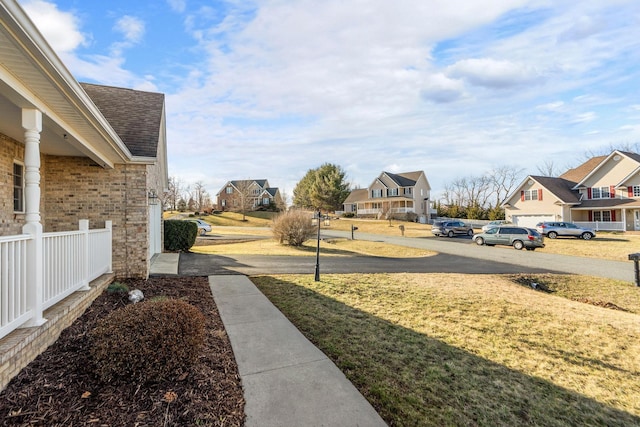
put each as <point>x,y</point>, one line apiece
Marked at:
<point>254,193</point>
<point>394,193</point>
<point>603,193</point>
<point>81,167</point>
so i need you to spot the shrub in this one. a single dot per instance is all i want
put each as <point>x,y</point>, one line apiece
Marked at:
<point>148,342</point>
<point>411,216</point>
<point>117,288</point>
<point>293,227</point>
<point>348,215</point>
<point>179,235</point>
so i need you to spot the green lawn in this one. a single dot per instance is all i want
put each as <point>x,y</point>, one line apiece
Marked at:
<point>450,349</point>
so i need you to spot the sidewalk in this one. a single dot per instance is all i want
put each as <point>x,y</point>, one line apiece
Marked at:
<point>287,381</point>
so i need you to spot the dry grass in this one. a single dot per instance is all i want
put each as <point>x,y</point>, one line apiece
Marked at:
<point>333,247</point>
<point>450,349</point>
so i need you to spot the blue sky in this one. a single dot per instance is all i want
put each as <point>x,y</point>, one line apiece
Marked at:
<point>273,88</point>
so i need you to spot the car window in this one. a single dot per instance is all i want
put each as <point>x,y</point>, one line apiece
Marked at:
<point>492,230</point>
<point>569,225</point>
<point>506,230</point>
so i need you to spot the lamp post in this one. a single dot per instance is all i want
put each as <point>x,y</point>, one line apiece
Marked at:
<point>317,276</point>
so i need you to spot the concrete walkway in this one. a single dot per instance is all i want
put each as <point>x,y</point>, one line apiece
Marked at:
<point>287,381</point>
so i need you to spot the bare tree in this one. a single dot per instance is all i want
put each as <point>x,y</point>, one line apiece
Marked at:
<point>548,168</point>
<point>174,193</point>
<point>503,180</point>
<point>244,196</point>
<point>199,194</point>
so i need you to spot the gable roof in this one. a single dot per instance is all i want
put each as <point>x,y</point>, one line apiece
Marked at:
<point>136,116</point>
<point>559,187</point>
<point>272,191</point>
<point>403,179</point>
<point>356,195</point>
<point>577,174</point>
<point>260,182</point>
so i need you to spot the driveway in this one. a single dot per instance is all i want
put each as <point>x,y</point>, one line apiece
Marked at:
<point>192,264</point>
<point>457,255</point>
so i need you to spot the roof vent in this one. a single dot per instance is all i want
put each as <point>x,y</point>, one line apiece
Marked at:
<point>617,157</point>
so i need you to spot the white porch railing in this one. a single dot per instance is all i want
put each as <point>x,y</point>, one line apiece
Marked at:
<point>14,310</point>
<point>602,225</point>
<point>377,211</point>
<point>70,261</point>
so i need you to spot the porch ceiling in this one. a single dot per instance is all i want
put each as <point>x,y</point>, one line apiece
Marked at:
<point>32,76</point>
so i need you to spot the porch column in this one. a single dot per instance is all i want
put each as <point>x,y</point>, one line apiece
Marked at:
<point>32,125</point>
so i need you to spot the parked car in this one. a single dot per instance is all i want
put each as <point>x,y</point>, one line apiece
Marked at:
<point>553,229</point>
<point>203,227</point>
<point>450,228</point>
<point>510,235</point>
<point>495,224</point>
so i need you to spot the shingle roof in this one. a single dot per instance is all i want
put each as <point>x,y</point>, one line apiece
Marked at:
<point>406,179</point>
<point>272,191</point>
<point>559,187</point>
<point>136,116</point>
<point>577,174</point>
<point>246,182</point>
<point>357,195</point>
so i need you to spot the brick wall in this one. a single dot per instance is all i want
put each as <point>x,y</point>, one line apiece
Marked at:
<point>10,150</point>
<point>78,189</point>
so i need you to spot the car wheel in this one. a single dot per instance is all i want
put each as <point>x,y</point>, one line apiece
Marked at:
<point>518,245</point>
<point>587,236</point>
<point>479,241</point>
<point>470,233</point>
<point>552,235</point>
<point>450,233</point>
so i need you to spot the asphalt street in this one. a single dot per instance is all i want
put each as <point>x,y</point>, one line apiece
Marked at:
<point>456,255</point>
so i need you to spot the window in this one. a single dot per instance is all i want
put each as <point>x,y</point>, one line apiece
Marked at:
<point>18,187</point>
<point>600,193</point>
<point>265,201</point>
<point>531,195</point>
<point>408,191</point>
<point>229,190</point>
<point>392,192</point>
<point>604,216</point>
<point>376,193</point>
<point>636,191</point>
<point>256,191</point>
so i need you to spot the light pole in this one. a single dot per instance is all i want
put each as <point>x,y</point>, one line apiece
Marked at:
<point>317,277</point>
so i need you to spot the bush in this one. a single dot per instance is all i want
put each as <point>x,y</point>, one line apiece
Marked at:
<point>348,215</point>
<point>411,216</point>
<point>293,227</point>
<point>179,235</point>
<point>148,342</point>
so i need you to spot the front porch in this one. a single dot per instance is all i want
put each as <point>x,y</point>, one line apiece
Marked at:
<point>619,219</point>
<point>382,207</point>
<point>47,280</point>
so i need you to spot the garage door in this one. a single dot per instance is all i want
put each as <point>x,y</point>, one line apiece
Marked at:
<point>530,220</point>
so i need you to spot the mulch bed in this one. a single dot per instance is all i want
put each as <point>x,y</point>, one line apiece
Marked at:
<point>60,388</point>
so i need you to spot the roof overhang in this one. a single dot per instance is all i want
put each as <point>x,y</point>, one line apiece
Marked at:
<point>33,77</point>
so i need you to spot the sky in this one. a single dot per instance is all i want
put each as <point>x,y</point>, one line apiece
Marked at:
<point>270,89</point>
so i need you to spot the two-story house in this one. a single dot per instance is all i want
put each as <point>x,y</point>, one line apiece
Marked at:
<point>248,194</point>
<point>392,193</point>
<point>602,193</point>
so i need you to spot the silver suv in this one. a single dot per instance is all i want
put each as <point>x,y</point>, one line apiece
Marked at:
<point>450,228</point>
<point>553,229</point>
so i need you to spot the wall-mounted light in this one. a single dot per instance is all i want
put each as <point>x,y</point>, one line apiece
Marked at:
<point>153,197</point>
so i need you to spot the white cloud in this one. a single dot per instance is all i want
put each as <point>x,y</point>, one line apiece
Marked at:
<point>61,29</point>
<point>131,28</point>
<point>177,5</point>
<point>492,73</point>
